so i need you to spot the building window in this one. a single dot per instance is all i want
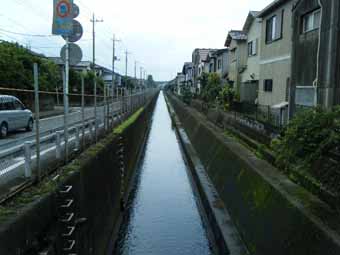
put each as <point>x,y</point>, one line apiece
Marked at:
<point>274,27</point>
<point>268,85</point>
<point>211,67</point>
<point>252,48</point>
<point>219,64</point>
<point>311,21</point>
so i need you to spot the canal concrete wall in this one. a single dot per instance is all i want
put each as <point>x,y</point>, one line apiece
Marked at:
<point>31,222</point>
<point>272,215</point>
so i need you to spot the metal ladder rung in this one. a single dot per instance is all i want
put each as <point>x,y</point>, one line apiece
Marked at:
<point>55,178</point>
<point>67,190</point>
<point>72,243</point>
<point>69,217</point>
<point>72,229</point>
<point>69,202</point>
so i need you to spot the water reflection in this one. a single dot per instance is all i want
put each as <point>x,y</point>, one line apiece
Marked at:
<point>162,215</point>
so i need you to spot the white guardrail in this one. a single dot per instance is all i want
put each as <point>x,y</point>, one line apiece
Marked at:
<point>19,161</point>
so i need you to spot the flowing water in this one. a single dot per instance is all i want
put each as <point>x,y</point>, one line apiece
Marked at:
<point>163,215</point>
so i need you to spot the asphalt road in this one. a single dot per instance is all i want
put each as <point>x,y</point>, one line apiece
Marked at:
<point>53,124</point>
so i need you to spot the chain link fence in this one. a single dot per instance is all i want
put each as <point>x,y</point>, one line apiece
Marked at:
<point>37,136</point>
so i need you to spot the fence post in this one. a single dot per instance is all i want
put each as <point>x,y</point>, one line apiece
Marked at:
<point>121,101</point>
<point>37,118</point>
<point>256,112</point>
<point>27,153</point>
<point>107,108</point>
<point>91,130</point>
<point>82,111</point>
<point>131,99</point>
<point>95,108</point>
<point>77,137</point>
<point>268,113</point>
<point>58,144</point>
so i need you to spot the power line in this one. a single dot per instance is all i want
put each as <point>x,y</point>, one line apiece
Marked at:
<point>24,34</point>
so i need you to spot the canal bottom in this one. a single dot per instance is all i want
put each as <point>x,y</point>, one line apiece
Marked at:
<point>162,215</point>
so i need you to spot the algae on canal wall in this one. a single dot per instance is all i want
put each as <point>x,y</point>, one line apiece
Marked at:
<point>29,224</point>
<point>272,214</point>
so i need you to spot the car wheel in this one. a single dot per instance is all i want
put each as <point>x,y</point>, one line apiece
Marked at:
<point>29,125</point>
<point>3,130</point>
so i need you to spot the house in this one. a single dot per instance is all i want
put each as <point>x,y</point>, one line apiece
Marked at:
<point>198,60</point>
<point>103,72</point>
<point>236,43</point>
<point>275,58</point>
<point>251,75</point>
<point>180,82</point>
<point>217,62</point>
<point>315,53</point>
<point>221,65</point>
<point>188,73</point>
<point>210,62</point>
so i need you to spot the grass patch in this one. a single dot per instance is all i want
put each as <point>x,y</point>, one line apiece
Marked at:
<point>120,129</point>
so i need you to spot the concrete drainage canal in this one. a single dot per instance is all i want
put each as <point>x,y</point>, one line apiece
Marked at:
<point>162,214</point>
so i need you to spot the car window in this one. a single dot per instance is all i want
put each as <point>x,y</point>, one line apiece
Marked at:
<point>18,105</point>
<point>7,106</point>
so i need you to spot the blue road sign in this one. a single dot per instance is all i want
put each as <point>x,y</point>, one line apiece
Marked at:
<point>62,17</point>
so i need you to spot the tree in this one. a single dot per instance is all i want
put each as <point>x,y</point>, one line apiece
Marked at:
<point>226,96</point>
<point>211,91</point>
<point>128,82</point>
<point>203,80</point>
<point>150,82</point>
<point>16,68</point>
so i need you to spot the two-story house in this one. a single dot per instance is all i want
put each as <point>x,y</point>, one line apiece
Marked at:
<point>222,67</point>
<point>188,73</point>
<point>180,82</point>
<point>315,53</point>
<point>275,57</point>
<point>217,62</point>
<point>198,60</point>
<point>251,75</point>
<point>236,43</point>
<point>210,62</point>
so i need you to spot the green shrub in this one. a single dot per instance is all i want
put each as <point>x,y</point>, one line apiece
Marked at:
<point>211,91</point>
<point>309,142</point>
<point>226,96</point>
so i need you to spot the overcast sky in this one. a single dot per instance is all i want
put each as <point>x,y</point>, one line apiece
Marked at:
<point>159,34</point>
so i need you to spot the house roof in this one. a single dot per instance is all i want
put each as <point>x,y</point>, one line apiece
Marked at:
<point>221,51</point>
<point>215,53</point>
<point>83,65</point>
<point>252,15</point>
<point>203,53</point>
<point>237,35</point>
<point>271,7</point>
<point>186,66</point>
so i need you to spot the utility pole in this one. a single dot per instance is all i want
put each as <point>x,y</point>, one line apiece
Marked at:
<point>141,77</point>
<point>126,65</point>
<point>126,77</point>
<point>94,21</point>
<point>114,58</point>
<point>136,70</point>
